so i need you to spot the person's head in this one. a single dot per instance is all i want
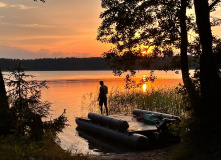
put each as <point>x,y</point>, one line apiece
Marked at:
<point>101,83</point>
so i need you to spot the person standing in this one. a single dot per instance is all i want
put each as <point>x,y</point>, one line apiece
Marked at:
<point>103,97</point>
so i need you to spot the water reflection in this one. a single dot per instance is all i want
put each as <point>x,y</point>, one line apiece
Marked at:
<point>66,90</point>
<point>144,81</point>
<point>100,144</point>
<point>144,87</point>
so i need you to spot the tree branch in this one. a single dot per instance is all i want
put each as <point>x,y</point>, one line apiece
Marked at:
<point>40,0</point>
<point>213,4</point>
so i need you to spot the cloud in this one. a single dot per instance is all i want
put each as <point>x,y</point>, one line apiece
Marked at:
<point>18,53</point>
<point>22,7</point>
<point>2,5</point>
<point>66,29</point>
<point>2,21</point>
<point>19,6</point>
<point>35,26</point>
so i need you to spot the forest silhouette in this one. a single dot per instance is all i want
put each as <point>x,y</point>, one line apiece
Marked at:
<point>91,63</point>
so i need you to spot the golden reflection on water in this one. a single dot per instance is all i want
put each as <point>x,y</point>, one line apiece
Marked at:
<point>145,87</point>
<point>66,90</point>
<point>69,94</point>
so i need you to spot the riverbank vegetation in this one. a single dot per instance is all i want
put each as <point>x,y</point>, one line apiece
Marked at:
<point>24,148</point>
<point>122,101</point>
<point>23,133</point>
<point>164,100</point>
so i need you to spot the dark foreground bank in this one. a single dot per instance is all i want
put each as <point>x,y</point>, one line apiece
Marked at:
<point>155,154</point>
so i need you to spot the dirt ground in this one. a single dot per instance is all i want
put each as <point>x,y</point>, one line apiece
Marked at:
<point>155,154</point>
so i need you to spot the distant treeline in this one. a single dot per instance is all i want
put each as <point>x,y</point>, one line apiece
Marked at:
<point>56,64</point>
<point>65,64</point>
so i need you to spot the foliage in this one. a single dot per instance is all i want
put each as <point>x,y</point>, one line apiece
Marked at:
<point>153,27</point>
<point>151,23</point>
<point>156,28</point>
<point>27,109</point>
<point>140,26</point>
<point>133,84</point>
<point>26,95</point>
<point>24,148</point>
<point>29,136</point>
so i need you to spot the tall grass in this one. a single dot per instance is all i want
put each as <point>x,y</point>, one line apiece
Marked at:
<point>124,101</point>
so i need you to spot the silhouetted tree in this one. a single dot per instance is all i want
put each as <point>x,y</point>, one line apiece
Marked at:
<point>162,26</point>
<point>208,123</point>
<point>26,107</point>
<point>209,79</point>
<point>4,107</point>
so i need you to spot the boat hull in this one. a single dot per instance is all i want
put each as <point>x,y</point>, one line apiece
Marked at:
<point>131,140</point>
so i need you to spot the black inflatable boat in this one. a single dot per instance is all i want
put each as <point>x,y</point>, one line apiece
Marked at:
<point>129,130</point>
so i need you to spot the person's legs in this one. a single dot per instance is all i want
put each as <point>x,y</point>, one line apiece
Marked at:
<point>101,104</point>
<point>105,104</point>
<point>106,109</point>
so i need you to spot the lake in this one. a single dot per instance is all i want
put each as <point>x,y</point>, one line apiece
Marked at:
<point>66,89</point>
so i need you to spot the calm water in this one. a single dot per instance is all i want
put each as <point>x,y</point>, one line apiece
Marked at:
<point>66,89</point>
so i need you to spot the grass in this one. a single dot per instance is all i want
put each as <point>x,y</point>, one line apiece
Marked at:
<point>125,101</point>
<point>17,148</point>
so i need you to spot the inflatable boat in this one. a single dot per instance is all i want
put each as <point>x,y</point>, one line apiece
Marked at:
<point>139,130</point>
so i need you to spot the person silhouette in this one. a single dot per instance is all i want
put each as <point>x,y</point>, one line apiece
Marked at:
<point>103,97</point>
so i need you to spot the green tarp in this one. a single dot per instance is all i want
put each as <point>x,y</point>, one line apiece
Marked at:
<point>150,119</point>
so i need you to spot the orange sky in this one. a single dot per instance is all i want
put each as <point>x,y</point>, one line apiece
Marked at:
<point>57,28</point>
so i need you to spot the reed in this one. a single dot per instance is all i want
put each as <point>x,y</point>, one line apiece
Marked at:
<point>124,101</point>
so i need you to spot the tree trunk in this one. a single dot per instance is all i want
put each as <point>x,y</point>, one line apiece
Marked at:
<point>188,84</point>
<point>210,91</point>
<point>4,108</point>
<point>3,97</point>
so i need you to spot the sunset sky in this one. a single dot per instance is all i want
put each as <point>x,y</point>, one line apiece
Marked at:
<point>57,28</point>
